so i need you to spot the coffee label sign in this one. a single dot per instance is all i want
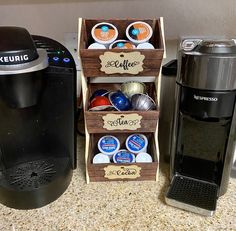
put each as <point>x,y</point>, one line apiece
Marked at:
<point>131,63</point>
<point>122,172</point>
<point>122,121</point>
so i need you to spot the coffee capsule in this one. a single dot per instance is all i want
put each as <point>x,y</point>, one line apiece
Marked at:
<point>123,156</point>
<point>143,157</point>
<point>122,44</point>
<point>104,33</point>
<point>133,87</point>
<point>108,145</point>
<point>139,32</point>
<point>136,143</point>
<point>101,158</point>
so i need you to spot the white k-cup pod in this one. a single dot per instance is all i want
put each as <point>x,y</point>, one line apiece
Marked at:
<point>104,33</point>
<point>143,157</point>
<point>136,143</point>
<point>123,156</point>
<point>96,46</point>
<point>145,46</point>
<point>101,158</point>
<point>139,32</point>
<point>122,44</point>
<point>108,145</point>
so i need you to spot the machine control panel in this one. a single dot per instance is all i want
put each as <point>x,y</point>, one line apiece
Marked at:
<point>58,55</point>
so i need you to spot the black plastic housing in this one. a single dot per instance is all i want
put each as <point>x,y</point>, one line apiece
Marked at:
<point>16,46</point>
<point>38,142</point>
<point>207,104</point>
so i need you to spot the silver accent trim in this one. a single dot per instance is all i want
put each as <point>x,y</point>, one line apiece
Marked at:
<point>229,156</point>
<point>39,64</point>
<point>217,43</point>
<point>174,131</point>
<point>207,71</point>
<point>190,44</point>
<point>188,207</point>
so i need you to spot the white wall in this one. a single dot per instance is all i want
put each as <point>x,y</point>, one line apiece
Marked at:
<point>53,18</point>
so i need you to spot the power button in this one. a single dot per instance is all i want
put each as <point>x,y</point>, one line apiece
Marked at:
<point>55,58</point>
<point>66,60</point>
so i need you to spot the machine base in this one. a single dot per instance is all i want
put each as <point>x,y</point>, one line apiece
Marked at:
<point>36,183</point>
<point>192,195</point>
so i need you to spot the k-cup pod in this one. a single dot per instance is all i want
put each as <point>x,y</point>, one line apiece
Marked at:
<point>133,87</point>
<point>119,101</point>
<point>145,46</point>
<point>142,102</point>
<point>104,33</point>
<point>108,145</point>
<point>123,156</point>
<point>143,157</point>
<point>136,143</point>
<point>139,32</point>
<point>96,46</point>
<point>101,158</point>
<point>122,44</point>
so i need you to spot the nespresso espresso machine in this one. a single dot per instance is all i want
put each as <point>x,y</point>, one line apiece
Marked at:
<point>203,140</point>
<point>37,119</point>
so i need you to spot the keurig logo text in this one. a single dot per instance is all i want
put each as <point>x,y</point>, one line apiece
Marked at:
<point>14,58</point>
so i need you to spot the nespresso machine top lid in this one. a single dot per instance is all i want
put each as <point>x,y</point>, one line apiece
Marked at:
<point>227,46</point>
<point>18,53</point>
<point>217,46</point>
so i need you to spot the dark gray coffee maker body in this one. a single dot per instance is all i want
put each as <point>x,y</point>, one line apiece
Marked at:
<point>37,119</point>
<point>203,135</point>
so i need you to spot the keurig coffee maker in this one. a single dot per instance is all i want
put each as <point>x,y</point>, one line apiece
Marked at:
<point>37,119</point>
<point>203,140</point>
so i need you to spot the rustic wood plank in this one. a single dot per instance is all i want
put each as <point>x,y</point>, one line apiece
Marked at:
<point>141,178</point>
<point>98,73</point>
<point>96,126</point>
<point>147,169</point>
<point>95,53</point>
<point>97,115</point>
<point>95,64</point>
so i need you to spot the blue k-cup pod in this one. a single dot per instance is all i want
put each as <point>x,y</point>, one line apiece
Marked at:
<point>108,145</point>
<point>136,143</point>
<point>123,156</point>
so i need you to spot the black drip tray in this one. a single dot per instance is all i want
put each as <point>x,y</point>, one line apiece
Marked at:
<point>35,183</point>
<point>32,175</point>
<point>193,195</point>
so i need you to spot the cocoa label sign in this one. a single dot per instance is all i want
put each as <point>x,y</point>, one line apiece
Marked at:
<point>122,172</point>
<point>122,121</point>
<point>131,63</point>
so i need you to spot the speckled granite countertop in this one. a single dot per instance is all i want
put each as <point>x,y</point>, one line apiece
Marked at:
<point>117,206</point>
